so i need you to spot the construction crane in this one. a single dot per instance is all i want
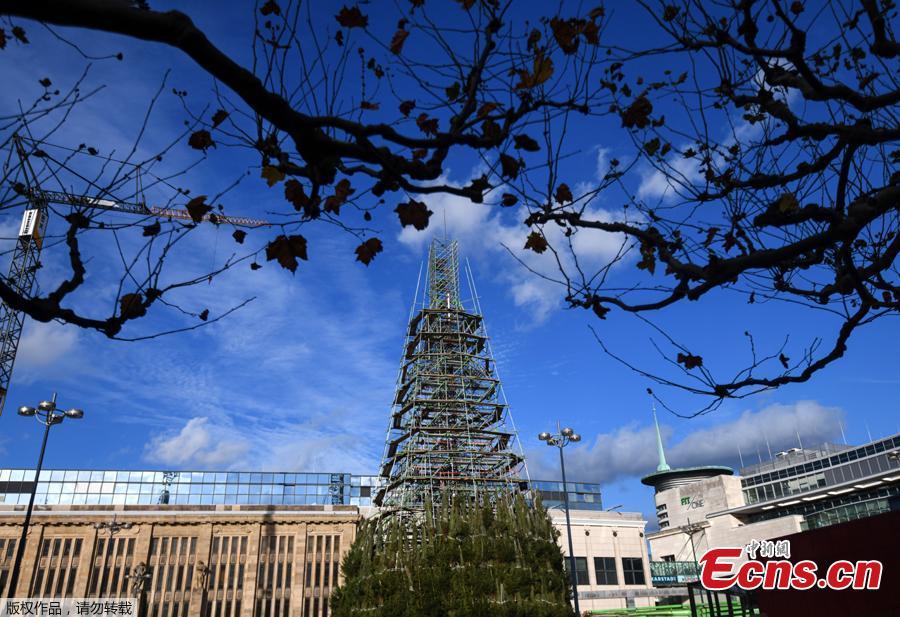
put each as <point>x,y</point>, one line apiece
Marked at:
<point>26,255</point>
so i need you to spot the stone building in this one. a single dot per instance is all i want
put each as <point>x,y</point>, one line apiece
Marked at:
<point>221,560</point>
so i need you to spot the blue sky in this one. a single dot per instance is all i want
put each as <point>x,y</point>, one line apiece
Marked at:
<point>302,377</point>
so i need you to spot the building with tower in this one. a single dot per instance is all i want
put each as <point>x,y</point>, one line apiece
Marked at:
<point>699,508</point>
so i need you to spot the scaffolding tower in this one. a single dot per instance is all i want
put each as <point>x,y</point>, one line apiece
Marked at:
<point>448,431</point>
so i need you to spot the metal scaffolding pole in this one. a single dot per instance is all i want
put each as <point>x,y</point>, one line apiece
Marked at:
<point>448,430</point>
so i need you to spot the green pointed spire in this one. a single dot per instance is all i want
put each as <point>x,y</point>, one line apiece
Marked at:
<point>663,465</point>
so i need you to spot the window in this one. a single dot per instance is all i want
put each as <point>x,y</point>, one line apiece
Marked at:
<point>55,567</point>
<point>274,579</point>
<point>605,570</point>
<point>226,576</point>
<point>581,570</point>
<point>633,570</point>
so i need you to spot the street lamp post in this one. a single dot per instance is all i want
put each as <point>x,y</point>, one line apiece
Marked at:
<point>47,414</point>
<point>563,438</point>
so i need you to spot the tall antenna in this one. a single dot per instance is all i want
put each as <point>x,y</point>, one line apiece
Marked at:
<point>843,436</point>
<point>740,456</point>
<point>663,465</point>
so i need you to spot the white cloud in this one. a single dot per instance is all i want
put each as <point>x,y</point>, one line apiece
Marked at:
<point>631,451</point>
<point>628,451</point>
<point>333,441</point>
<point>777,424</point>
<point>456,216</point>
<point>602,161</point>
<point>42,344</point>
<point>197,444</point>
<point>680,173</point>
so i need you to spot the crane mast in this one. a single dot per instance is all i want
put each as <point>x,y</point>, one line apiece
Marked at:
<point>21,277</point>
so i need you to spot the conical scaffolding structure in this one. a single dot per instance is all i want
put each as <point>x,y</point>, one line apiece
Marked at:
<point>448,431</point>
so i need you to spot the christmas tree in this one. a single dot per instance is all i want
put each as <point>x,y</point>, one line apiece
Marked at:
<point>495,558</point>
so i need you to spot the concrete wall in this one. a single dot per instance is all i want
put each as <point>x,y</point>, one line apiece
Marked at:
<point>727,530</point>
<point>692,502</point>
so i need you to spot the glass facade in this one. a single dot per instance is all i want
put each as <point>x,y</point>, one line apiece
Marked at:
<point>850,512</point>
<point>839,508</point>
<point>849,465</point>
<point>103,487</point>
<point>582,496</point>
<point>107,487</point>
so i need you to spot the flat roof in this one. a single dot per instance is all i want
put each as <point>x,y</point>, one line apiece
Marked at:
<point>705,471</point>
